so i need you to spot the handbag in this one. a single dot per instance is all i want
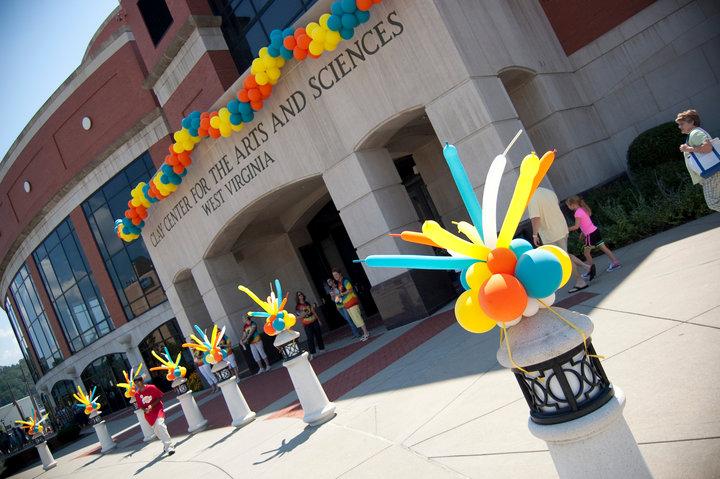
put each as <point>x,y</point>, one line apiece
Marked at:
<point>706,164</point>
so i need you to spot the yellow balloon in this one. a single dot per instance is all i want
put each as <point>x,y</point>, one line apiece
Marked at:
<point>177,148</point>
<point>564,259</point>
<point>447,240</point>
<point>289,320</point>
<point>477,274</point>
<point>311,27</point>
<point>324,19</point>
<point>316,48</point>
<point>262,78</point>
<point>470,315</point>
<point>528,169</point>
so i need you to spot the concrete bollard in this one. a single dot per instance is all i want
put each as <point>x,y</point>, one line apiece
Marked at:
<point>234,399</point>
<point>106,441</point>
<point>196,421</point>
<point>46,457</point>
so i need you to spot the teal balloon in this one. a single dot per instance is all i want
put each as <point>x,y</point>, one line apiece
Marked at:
<point>540,273</point>
<point>279,324</point>
<point>463,279</point>
<point>520,246</point>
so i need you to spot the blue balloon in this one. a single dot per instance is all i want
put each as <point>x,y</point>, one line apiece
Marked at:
<point>411,261</point>
<point>463,279</point>
<point>288,32</point>
<point>347,33</point>
<point>362,16</point>
<point>336,9</point>
<point>248,117</point>
<point>464,186</point>
<point>349,21</point>
<point>273,51</point>
<point>276,34</point>
<point>520,246</point>
<point>334,23</point>
<point>233,106</point>
<point>348,6</point>
<point>278,324</point>
<point>235,118</point>
<point>285,53</point>
<point>540,273</point>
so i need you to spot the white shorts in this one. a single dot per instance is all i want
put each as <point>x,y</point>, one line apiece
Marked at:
<point>258,351</point>
<point>231,360</point>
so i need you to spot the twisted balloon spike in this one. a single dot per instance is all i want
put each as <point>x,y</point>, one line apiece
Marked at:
<point>89,402</point>
<point>505,278</point>
<point>129,384</point>
<point>210,346</point>
<point>33,426</point>
<point>173,368</point>
<point>276,318</point>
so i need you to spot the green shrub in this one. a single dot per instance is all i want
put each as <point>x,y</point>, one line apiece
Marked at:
<point>655,146</point>
<point>194,382</point>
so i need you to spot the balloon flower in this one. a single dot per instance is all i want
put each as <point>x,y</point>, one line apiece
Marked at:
<point>89,403</point>
<point>210,346</point>
<point>32,426</point>
<point>129,384</point>
<point>505,279</point>
<point>276,318</point>
<point>173,368</point>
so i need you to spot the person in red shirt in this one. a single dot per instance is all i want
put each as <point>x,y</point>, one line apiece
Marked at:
<point>149,399</point>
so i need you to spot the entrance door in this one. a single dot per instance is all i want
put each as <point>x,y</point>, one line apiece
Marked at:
<point>167,335</point>
<point>332,248</point>
<point>104,373</point>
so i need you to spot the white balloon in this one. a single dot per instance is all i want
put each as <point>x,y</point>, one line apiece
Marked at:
<point>513,322</point>
<point>531,308</point>
<point>489,203</point>
<point>549,300</point>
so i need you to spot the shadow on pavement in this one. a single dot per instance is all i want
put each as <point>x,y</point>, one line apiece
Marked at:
<point>222,439</point>
<point>150,464</point>
<point>286,447</point>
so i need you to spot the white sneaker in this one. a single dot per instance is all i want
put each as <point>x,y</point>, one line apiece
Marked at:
<point>170,450</point>
<point>260,371</point>
<point>267,368</point>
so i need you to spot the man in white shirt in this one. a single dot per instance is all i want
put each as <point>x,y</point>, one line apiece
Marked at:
<point>550,226</point>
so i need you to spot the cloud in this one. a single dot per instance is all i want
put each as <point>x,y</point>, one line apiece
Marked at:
<point>9,349</point>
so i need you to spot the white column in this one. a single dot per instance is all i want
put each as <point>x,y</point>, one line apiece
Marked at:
<point>234,399</point>
<point>598,444</point>
<point>48,461</point>
<point>318,409</point>
<point>147,430</point>
<point>196,421</point>
<point>106,441</point>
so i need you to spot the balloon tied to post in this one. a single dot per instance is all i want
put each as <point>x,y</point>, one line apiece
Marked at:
<point>210,347</point>
<point>505,279</point>
<point>89,403</point>
<point>33,426</point>
<point>312,41</point>
<point>274,314</point>
<point>129,384</point>
<point>173,368</point>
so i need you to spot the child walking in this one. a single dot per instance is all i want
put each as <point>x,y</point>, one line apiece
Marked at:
<point>149,399</point>
<point>593,239</point>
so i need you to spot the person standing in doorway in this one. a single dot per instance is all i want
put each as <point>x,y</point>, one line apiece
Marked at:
<point>351,303</point>
<point>334,293</point>
<point>205,370</point>
<point>149,399</point>
<point>310,322</point>
<point>549,227</point>
<point>251,337</point>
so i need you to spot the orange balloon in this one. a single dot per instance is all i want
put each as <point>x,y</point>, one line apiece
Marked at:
<point>502,261</point>
<point>503,298</point>
<point>269,330</point>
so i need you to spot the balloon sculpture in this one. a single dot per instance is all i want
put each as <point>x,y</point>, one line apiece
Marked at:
<point>129,384</point>
<point>311,41</point>
<point>32,426</point>
<point>89,403</point>
<point>276,318</point>
<point>505,279</point>
<point>173,368</point>
<point>210,346</point>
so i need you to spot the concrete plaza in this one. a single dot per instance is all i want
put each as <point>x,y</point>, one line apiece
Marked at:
<point>429,400</point>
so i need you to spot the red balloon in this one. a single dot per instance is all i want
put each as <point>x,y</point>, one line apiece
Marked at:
<point>269,330</point>
<point>256,105</point>
<point>265,90</point>
<point>254,95</point>
<point>503,298</point>
<point>136,221</point>
<point>300,54</point>
<point>501,260</point>
<point>304,41</point>
<point>289,42</point>
<point>363,5</point>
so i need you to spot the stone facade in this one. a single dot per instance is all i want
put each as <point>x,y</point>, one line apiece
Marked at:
<point>419,74</point>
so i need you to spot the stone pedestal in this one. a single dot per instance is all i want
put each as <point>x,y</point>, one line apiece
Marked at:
<point>318,409</point>
<point>573,406</point>
<point>196,421</point>
<point>106,441</point>
<point>236,403</point>
<point>48,461</point>
<point>147,430</point>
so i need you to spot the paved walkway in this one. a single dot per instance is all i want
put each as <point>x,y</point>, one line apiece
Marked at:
<point>430,401</point>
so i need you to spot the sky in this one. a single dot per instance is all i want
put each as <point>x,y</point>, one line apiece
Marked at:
<point>43,43</point>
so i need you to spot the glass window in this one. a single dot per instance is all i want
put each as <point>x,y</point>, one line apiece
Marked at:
<point>62,392</point>
<point>20,338</point>
<point>33,315</point>
<point>247,24</point>
<point>157,18</point>
<point>74,294</point>
<point>104,373</point>
<point>128,264</point>
<point>167,335</point>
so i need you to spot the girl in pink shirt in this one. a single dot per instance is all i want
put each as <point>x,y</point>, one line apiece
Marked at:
<point>593,240</point>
